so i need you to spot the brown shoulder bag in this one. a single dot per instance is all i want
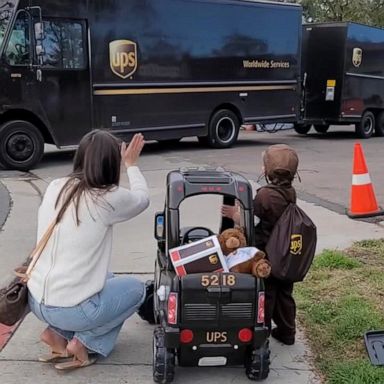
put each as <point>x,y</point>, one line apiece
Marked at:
<point>14,298</point>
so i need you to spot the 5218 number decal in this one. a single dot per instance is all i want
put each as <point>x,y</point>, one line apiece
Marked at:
<point>216,280</point>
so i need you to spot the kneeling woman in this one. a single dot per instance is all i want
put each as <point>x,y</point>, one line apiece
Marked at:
<point>70,287</point>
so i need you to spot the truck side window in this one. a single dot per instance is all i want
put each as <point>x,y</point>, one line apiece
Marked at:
<point>18,49</point>
<point>63,45</point>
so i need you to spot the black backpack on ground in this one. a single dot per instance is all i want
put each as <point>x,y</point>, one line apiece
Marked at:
<point>291,246</point>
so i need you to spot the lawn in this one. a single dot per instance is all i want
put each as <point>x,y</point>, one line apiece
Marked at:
<point>341,298</point>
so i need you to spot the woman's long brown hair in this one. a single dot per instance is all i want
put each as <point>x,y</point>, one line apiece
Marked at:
<point>96,170</point>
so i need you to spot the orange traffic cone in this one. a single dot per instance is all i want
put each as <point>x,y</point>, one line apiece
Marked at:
<point>363,200</point>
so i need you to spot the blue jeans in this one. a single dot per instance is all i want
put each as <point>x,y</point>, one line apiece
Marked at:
<point>97,321</point>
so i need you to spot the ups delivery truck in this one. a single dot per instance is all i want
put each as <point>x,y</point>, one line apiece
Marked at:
<point>166,68</point>
<point>343,78</point>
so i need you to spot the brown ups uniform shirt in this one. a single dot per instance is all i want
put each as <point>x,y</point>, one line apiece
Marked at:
<point>269,204</point>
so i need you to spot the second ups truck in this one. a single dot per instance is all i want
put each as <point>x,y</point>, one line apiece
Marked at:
<point>343,78</point>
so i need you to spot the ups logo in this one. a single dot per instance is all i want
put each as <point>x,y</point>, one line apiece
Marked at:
<point>123,57</point>
<point>213,259</point>
<point>357,57</point>
<point>296,244</point>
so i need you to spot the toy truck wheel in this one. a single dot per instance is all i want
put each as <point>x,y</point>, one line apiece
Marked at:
<point>257,363</point>
<point>146,310</point>
<point>366,126</point>
<point>321,128</point>
<point>223,129</point>
<point>163,359</point>
<point>379,129</point>
<point>21,145</point>
<point>302,129</point>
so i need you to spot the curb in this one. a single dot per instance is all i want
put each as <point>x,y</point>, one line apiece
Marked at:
<point>5,207</point>
<point>5,204</point>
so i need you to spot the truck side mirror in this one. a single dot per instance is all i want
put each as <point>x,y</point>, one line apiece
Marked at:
<point>159,226</point>
<point>39,31</point>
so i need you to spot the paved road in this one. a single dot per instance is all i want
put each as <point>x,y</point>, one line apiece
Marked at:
<point>325,161</point>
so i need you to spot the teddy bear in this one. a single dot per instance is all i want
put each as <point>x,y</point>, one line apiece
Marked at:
<point>232,239</point>
<point>249,260</point>
<point>241,258</point>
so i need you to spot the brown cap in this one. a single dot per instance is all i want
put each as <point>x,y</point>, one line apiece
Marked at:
<point>280,159</point>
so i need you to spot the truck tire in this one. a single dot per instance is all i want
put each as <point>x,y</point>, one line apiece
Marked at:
<point>21,145</point>
<point>223,129</point>
<point>379,129</point>
<point>146,310</point>
<point>366,126</point>
<point>257,363</point>
<point>302,129</point>
<point>163,359</point>
<point>321,128</point>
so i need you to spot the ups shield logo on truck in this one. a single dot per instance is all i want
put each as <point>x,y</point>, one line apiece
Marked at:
<point>357,57</point>
<point>123,57</point>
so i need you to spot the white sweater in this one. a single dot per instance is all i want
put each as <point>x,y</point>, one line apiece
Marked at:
<point>75,262</point>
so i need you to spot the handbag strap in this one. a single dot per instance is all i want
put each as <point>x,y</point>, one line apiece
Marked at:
<point>41,246</point>
<point>36,253</point>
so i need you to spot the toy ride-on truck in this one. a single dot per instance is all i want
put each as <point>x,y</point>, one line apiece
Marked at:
<point>206,319</point>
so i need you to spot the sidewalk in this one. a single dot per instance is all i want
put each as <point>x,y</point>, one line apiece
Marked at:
<point>134,252</point>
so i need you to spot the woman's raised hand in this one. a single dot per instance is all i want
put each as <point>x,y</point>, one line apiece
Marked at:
<point>131,153</point>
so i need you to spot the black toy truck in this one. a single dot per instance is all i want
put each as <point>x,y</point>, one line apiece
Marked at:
<point>206,319</point>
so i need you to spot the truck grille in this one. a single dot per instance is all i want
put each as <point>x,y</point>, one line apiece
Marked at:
<point>198,312</point>
<point>242,311</point>
<point>203,312</point>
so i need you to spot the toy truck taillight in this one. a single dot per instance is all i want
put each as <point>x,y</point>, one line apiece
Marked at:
<point>260,308</point>
<point>172,308</point>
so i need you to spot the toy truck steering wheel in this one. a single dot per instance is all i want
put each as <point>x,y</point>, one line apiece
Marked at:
<point>196,233</point>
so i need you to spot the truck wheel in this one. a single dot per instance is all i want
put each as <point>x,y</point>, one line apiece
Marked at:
<point>379,129</point>
<point>223,129</point>
<point>321,128</point>
<point>366,126</point>
<point>163,359</point>
<point>21,145</point>
<point>302,129</point>
<point>257,363</point>
<point>203,140</point>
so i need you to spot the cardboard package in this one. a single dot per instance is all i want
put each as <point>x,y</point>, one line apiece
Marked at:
<point>198,257</point>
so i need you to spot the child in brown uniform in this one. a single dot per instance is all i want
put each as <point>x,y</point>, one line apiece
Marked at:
<point>280,167</point>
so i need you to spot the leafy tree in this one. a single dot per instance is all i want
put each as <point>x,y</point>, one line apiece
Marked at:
<point>362,11</point>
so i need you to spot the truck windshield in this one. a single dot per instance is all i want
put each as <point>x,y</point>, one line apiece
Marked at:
<point>7,7</point>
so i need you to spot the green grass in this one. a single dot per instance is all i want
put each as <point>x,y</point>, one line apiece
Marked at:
<point>371,245</point>
<point>354,317</point>
<point>334,260</point>
<point>355,372</point>
<point>338,302</point>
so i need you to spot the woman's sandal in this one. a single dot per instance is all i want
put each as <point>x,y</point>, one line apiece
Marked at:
<point>54,357</point>
<point>75,363</point>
